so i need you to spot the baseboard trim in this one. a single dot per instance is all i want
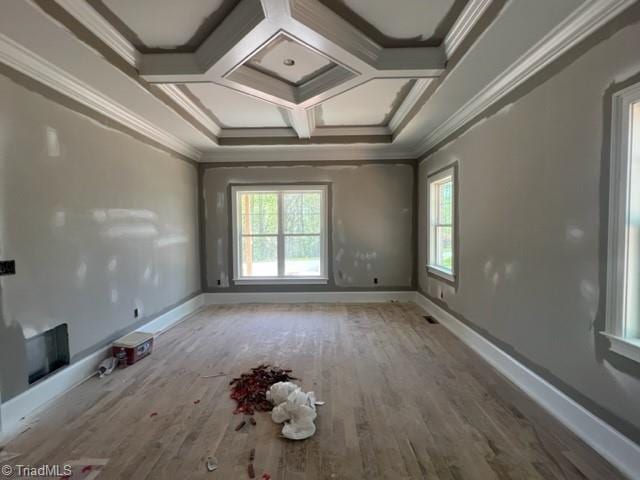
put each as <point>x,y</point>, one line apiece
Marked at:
<point>16,412</point>
<point>222,298</point>
<point>619,450</point>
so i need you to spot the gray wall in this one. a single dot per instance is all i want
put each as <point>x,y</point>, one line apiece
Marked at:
<point>98,223</point>
<point>371,222</point>
<point>533,185</point>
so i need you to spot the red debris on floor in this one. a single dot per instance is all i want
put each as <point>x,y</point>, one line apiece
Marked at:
<point>250,389</point>
<point>153,414</point>
<point>195,402</point>
<point>265,476</point>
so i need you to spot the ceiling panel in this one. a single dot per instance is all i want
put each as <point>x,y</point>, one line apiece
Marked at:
<point>367,105</point>
<point>236,110</point>
<point>403,23</point>
<point>290,61</point>
<point>165,24</point>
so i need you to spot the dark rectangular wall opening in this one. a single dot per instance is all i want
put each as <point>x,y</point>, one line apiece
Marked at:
<point>47,352</point>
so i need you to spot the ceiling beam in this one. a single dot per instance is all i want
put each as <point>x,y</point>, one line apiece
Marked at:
<point>250,26</point>
<point>253,23</point>
<point>255,83</point>
<point>113,39</point>
<point>303,121</point>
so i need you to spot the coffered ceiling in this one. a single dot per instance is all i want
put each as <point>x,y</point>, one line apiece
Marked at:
<point>285,79</point>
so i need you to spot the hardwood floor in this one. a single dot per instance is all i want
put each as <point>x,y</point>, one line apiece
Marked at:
<point>405,399</point>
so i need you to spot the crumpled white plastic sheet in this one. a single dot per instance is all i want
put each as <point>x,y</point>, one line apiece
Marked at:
<point>295,408</point>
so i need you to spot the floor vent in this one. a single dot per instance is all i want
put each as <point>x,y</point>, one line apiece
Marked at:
<point>47,352</point>
<point>431,320</point>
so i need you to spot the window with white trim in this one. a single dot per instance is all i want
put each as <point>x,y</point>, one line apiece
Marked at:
<point>280,233</point>
<point>623,258</point>
<point>442,228</point>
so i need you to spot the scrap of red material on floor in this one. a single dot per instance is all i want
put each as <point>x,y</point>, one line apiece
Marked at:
<point>195,402</point>
<point>265,476</point>
<point>250,389</point>
<point>153,414</point>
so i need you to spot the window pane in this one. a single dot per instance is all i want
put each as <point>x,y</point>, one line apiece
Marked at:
<point>259,213</point>
<point>259,256</point>
<point>302,255</point>
<point>444,247</point>
<point>445,197</point>
<point>632,322</point>
<point>301,212</point>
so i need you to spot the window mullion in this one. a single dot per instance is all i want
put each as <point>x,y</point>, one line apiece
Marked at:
<point>280,235</point>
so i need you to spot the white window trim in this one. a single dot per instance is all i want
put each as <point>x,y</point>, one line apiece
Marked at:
<point>618,248</point>
<point>437,270</point>
<point>280,280</point>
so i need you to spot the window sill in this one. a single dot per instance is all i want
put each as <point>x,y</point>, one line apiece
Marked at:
<point>438,272</point>
<point>627,347</point>
<point>282,281</point>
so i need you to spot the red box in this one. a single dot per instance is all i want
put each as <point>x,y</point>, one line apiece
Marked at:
<point>132,347</point>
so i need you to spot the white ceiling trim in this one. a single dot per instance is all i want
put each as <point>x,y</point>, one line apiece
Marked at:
<point>251,23</point>
<point>409,102</point>
<point>254,23</point>
<point>463,25</point>
<point>258,133</point>
<point>303,121</point>
<point>587,18</point>
<point>190,107</point>
<point>36,67</point>
<point>317,132</point>
<point>90,18</point>
<point>304,153</point>
<point>352,131</point>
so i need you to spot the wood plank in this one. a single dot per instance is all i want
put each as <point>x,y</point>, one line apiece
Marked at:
<point>405,400</point>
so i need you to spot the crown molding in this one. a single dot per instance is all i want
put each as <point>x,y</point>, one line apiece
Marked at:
<point>316,132</point>
<point>303,153</point>
<point>586,19</point>
<point>112,38</point>
<point>91,19</point>
<point>258,132</point>
<point>414,96</point>
<point>463,25</point>
<point>178,96</point>
<point>373,130</point>
<point>36,67</point>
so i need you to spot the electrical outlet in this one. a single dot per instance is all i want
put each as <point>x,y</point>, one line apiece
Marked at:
<point>375,280</point>
<point>136,313</point>
<point>219,282</point>
<point>8,267</point>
